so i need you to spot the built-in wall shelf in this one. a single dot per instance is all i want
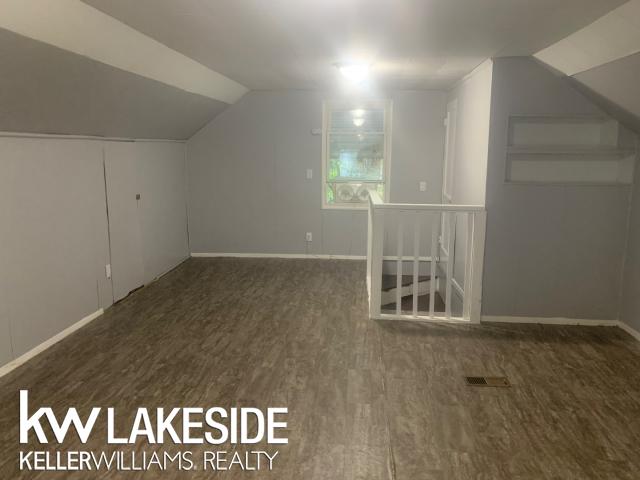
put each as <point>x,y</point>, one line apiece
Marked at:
<point>586,150</point>
<point>612,152</point>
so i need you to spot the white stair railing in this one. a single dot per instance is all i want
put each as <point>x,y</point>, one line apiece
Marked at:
<point>444,222</point>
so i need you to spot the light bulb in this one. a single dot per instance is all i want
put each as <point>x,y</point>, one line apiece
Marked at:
<point>355,72</point>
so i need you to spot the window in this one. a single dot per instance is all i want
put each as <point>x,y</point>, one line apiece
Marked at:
<point>355,153</point>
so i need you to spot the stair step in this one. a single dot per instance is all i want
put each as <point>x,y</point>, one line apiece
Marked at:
<point>407,305</point>
<point>389,282</point>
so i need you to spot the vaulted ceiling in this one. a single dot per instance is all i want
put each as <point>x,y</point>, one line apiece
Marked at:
<point>163,68</point>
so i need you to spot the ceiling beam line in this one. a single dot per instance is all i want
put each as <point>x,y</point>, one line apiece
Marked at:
<point>79,28</point>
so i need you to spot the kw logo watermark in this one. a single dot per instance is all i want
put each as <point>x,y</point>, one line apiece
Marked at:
<point>177,426</point>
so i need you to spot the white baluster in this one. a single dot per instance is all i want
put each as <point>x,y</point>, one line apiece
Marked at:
<point>451,245</point>
<point>416,260</point>
<point>477,256</point>
<point>376,231</point>
<point>466,299</point>
<point>399,264</point>
<point>435,226</point>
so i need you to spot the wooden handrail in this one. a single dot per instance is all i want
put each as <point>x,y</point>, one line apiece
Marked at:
<point>431,207</point>
<point>374,198</point>
<point>376,202</point>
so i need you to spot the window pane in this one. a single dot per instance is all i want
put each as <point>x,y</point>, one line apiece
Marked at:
<point>355,157</point>
<point>355,140</point>
<point>357,120</point>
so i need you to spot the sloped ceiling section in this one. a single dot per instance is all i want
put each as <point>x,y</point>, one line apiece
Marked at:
<point>44,89</point>
<point>68,68</point>
<point>617,84</point>
<point>602,60</point>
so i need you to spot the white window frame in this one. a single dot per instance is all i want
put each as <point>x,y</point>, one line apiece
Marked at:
<point>327,107</point>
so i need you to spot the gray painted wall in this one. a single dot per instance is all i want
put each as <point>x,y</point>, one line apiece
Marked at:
<point>54,235</point>
<point>551,251</point>
<point>247,187</point>
<point>53,226</point>
<point>44,89</point>
<point>630,299</point>
<point>615,87</point>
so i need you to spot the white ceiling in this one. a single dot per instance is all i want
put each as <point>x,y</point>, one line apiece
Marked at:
<point>615,35</point>
<point>282,44</point>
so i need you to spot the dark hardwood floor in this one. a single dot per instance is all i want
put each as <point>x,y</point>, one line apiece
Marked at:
<point>367,400</point>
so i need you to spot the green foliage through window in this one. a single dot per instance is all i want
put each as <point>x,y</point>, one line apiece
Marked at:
<point>355,153</point>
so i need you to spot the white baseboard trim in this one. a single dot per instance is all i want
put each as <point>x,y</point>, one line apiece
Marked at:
<point>13,364</point>
<point>405,258</point>
<point>629,329</point>
<point>278,255</point>
<point>551,320</point>
<point>386,258</point>
<point>564,321</point>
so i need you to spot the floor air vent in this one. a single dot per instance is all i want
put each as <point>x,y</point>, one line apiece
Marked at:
<point>487,381</point>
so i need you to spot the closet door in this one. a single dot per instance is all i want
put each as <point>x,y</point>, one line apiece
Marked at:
<point>127,269</point>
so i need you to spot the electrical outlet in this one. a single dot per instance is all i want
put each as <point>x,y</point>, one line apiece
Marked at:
<point>423,186</point>
<point>107,270</point>
<point>309,237</point>
<point>309,174</point>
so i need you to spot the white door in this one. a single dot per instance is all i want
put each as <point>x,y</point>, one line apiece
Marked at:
<point>449,152</point>
<point>448,171</point>
<point>453,229</point>
<point>127,269</point>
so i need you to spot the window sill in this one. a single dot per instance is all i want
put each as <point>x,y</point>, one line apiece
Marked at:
<point>361,208</point>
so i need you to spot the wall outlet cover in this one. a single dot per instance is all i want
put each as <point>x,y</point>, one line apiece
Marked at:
<point>309,237</point>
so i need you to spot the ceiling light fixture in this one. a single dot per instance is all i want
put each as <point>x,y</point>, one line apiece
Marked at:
<point>354,72</point>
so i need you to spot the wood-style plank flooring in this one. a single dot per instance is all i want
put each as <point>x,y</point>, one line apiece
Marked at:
<point>367,400</point>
